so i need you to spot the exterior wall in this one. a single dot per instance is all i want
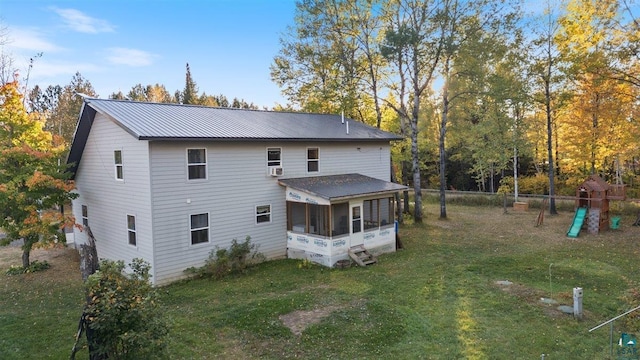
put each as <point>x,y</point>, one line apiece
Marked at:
<point>109,200</point>
<point>327,251</point>
<point>237,181</point>
<point>339,158</point>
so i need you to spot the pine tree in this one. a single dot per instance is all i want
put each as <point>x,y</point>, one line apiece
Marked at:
<point>190,93</point>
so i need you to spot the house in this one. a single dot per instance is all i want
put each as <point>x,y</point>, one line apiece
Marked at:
<point>169,183</point>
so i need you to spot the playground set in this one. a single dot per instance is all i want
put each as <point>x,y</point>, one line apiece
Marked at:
<point>592,206</point>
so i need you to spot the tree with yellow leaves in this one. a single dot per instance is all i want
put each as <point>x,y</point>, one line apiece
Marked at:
<point>32,182</point>
<point>598,124</point>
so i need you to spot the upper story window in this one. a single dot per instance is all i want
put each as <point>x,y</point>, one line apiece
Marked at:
<point>117,161</point>
<point>131,229</point>
<point>313,159</point>
<point>197,163</point>
<point>85,216</point>
<point>263,213</point>
<point>199,227</point>
<point>274,157</point>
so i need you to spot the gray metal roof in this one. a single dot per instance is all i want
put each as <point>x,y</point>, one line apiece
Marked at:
<point>335,187</point>
<point>156,121</point>
<point>149,121</point>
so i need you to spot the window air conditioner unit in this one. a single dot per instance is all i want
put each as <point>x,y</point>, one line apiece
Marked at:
<point>276,171</point>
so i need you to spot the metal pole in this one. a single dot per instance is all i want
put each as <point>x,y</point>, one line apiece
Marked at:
<point>615,318</point>
<point>611,340</point>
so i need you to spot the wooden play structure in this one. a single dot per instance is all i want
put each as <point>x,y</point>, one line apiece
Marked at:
<point>592,205</point>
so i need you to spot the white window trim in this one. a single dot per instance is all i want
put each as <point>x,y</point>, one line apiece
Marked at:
<point>206,165</point>
<point>135,231</point>
<point>267,157</point>
<point>208,227</point>
<point>116,165</point>
<point>318,159</point>
<point>270,213</point>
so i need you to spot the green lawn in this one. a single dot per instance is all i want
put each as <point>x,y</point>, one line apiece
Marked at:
<point>435,299</point>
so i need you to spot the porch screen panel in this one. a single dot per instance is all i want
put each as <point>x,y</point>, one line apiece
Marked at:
<point>297,216</point>
<point>318,219</point>
<point>340,213</point>
<point>370,214</point>
<point>386,211</point>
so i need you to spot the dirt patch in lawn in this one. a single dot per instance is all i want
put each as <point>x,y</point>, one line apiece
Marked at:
<point>299,320</point>
<point>535,296</point>
<point>64,261</point>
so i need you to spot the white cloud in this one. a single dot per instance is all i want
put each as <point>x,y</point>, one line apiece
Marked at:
<point>129,57</point>
<point>25,39</point>
<point>81,22</point>
<point>46,70</point>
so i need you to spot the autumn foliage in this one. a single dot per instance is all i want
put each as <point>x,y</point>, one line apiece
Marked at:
<point>33,183</point>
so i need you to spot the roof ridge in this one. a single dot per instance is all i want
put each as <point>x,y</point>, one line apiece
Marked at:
<point>89,99</point>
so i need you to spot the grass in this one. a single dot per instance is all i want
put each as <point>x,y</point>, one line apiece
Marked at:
<point>435,299</point>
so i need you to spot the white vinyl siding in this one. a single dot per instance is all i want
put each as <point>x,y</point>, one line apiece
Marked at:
<point>108,201</point>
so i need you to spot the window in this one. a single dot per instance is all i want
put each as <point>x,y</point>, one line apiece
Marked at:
<point>117,161</point>
<point>274,157</point>
<point>263,214</point>
<point>85,216</point>
<point>131,229</point>
<point>199,228</point>
<point>313,159</point>
<point>197,163</point>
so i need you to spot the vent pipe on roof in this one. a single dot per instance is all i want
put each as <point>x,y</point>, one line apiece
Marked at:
<point>347,127</point>
<point>343,116</point>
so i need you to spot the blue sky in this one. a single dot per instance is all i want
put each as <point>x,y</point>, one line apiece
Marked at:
<point>229,44</point>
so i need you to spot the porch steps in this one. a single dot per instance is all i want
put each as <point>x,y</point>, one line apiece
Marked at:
<point>361,256</point>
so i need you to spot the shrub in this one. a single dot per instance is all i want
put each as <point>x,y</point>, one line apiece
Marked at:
<point>35,266</point>
<point>236,259</point>
<point>122,313</point>
<point>537,184</point>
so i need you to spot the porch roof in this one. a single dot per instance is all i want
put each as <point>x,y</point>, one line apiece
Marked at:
<point>345,186</point>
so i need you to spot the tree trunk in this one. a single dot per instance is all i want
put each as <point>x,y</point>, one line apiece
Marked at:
<point>441,148</point>
<point>397,196</point>
<point>547,92</point>
<point>415,161</point>
<point>25,258</point>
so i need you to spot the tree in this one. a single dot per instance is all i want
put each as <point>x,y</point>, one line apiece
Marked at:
<point>7,67</point>
<point>548,79</point>
<point>151,93</point>
<point>44,103</point>
<point>464,25</point>
<point>328,62</point>
<point>413,45</point>
<point>123,313</point>
<point>64,117</point>
<point>31,181</point>
<point>597,121</point>
<point>190,93</point>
